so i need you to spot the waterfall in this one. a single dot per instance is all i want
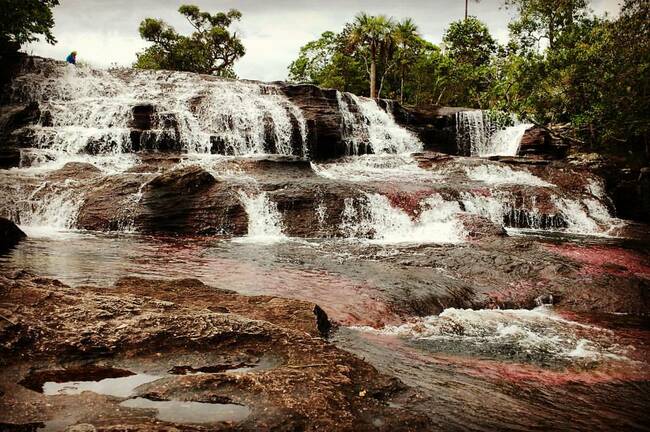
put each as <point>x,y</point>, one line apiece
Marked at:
<point>264,219</point>
<point>91,111</point>
<point>366,128</point>
<point>48,208</point>
<point>485,133</point>
<point>585,215</point>
<point>375,218</point>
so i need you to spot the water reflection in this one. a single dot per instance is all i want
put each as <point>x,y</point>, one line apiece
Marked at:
<point>295,269</point>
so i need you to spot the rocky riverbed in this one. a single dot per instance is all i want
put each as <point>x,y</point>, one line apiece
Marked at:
<point>181,252</point>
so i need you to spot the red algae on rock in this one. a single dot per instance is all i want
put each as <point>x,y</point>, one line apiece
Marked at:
<point>599,259</point>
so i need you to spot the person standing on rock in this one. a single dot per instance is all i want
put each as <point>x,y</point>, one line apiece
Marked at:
<point>72,58</point>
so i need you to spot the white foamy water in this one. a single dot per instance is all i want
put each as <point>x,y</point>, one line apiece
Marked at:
<point>365,123</point>
<point>487,206</point>
<point>376,219</point>
<point>40,162</point>
<point>587,216</point>
<point>264,220</point>
<point>368,168</point>
<point>504,175</point>
<point>479,133</point>
<point>48,209</point>
<point>119,387</point>
<point>537,333</point>
<point>91,110</point>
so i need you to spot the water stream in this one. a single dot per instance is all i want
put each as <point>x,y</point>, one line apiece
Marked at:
<point>484,133</point>
<point>403,267</point>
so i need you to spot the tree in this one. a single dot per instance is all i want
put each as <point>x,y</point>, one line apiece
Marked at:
<point>407,40</point>
<point>470,49</point>
<point>592,80</point>
<point>22,20</point>
<point>211,49</point>
<point>324,62</point>
<point>469,42</point>
<point>371,38</point>
<point>544,19</point>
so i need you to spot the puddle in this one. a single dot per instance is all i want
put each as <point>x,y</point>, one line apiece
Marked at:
<point>38,380</point>
<point>119,387</point>
<point>122,382</point>
<point>190,412</point>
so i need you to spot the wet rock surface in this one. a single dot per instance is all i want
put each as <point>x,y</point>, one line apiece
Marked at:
<point>10,234</point>
<point>54,327</point>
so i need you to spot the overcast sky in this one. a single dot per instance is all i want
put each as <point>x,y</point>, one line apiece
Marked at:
<point>105,32</point>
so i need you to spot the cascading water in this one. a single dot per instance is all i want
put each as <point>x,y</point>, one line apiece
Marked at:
<point>375,218</point>
<point>484,133</point>
<point>48,208</point>
<point>91,111</point>
<point>585,216</point>
<point>264,219</point>
<point>365,126</point>
<point>88,115</point>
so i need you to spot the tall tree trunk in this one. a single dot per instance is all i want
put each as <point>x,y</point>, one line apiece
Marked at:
<point>466,2</point>
<point>373,78</point>
<point>551,32</point>
<point>401,84</point>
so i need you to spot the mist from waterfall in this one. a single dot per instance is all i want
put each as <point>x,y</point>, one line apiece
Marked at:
<point>484,133</point>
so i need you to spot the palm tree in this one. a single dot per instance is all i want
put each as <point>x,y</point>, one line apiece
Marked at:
<point>375,34</point>
<point>406,36</point>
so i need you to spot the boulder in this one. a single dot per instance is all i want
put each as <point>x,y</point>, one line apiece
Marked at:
<point>537,143</point>
<point>434,125</point>
<point>12,119</point>
<point>631,194</point>
<point>75,170</point>
<point>10,234</point>
<point>182,201</point>
<point>321,111</point>
<point>303,382</point>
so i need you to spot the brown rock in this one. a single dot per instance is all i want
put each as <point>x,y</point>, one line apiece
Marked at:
<point>304,388</point>
<point>10,234</point>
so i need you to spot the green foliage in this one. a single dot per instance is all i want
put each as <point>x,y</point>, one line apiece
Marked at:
<point>562,65</point>
<point>22,20</point>
<point>594,78</point>
<point>323,62</point>
<point>544,19</point>
<point>371,38</point>
<point>210,49</point>
<point>469,42</point>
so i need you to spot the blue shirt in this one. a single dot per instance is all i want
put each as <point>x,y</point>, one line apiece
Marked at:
<point>71,59</point>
